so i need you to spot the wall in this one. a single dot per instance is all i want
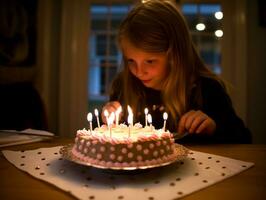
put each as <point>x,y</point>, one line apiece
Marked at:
<point>62,62</point>
<point>49,21</point>
<point>256,71</point>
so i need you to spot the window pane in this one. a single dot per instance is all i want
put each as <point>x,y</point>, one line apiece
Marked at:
<point>101,41</point>
<point>207,42</point>
<point>104,54</point>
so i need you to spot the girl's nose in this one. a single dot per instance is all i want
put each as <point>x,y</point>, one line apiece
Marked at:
<point>140,71</point>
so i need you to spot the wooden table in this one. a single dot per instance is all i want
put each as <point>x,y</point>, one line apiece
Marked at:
<point>250,184</point>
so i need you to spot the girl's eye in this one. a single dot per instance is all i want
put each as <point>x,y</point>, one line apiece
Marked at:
<point>130,62</point>
<point>150,61</point>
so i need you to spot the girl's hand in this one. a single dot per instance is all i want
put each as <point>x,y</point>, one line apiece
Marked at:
<point>111,106</point>
<point>196,122</point>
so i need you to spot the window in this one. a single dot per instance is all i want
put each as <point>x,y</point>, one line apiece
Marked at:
<point>105,57</point>
<point>205,24</point>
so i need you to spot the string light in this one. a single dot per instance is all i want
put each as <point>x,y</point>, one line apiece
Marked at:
<point>218,33</point>
<point>218,15</point>
<point>200,26</point>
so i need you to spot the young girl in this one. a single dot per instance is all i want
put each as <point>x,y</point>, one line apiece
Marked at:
<point>163,72</point>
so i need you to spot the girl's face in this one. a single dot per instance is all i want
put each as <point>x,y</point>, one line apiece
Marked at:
<point>149,68</point>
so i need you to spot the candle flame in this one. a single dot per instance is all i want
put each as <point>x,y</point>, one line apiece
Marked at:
<point>106,113</point>
<point>96,112</point>
<point>130,115</point>
<point>130,119</point>
<point>149,118</point>
<point>89,117</point>
<point>117,113</point>
<point>97,117</point>
<point>112,118</point>
<point>119,110</point>
<point>129,110</point>
<point>165,116</point>
<point>146,111</point>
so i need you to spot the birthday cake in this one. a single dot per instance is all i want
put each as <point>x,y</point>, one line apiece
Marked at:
<point>123,146</point>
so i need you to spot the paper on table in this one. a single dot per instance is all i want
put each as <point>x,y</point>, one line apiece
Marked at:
<point>10,137</point>
<point>199,170</point>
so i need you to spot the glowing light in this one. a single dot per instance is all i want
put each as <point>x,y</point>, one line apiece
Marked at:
<point>165,116</point>
<point>219,15</point>
<point>129,120</point>
<point>106,113</point>
<point>149,119</point>
<point>200,26</point>
<point>219,33</point>
<point>89,117</point>
<point>96,112</point>
<point>117,113</point>
<point>146,111</point>
<point>146,114</point>
<point>111,118</point>
<point>130,115</point>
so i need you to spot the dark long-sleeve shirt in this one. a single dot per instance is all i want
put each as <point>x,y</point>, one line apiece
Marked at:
<point>215,103</point>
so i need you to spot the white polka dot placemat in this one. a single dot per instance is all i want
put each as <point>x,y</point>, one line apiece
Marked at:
<point>197,171</point>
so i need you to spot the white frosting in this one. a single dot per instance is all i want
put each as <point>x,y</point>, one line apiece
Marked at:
<point>123,133</point>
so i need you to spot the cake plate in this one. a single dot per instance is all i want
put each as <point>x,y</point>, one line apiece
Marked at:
<point>180,151</point>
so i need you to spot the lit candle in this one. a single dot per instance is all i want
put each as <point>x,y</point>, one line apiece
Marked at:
<point>117,113</point>
<point>97,117</point>
<point>130,113</point>
<point>146,113</point>
<point>129,120</point>
<point>111,121</point>
<point>89,118</point>
<point>150,120</point>
<point>165,116</point>
<point>106,114</point>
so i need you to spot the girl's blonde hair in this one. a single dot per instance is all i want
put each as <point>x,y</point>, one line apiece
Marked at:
<point>158,26</point>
